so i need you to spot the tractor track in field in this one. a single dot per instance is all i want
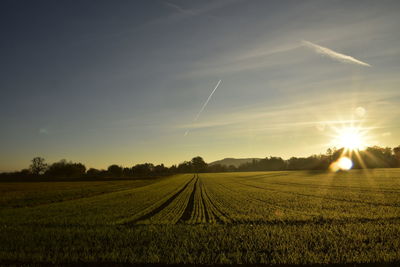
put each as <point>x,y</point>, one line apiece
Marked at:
<point>162,206</point>
<point>204,204</point>
<point>190,207</point>
<point>214,210</point>
<point>217,218</point>
<point>187,214</point>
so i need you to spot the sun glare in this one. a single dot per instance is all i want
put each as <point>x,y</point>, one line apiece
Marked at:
<point>350,138</point>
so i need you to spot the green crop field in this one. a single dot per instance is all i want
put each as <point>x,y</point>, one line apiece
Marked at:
<point>252,217</point>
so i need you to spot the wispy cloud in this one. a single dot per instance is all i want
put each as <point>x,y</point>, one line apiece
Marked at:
<point>185,12</point>
<point>242,61</point>
<point>182,14</point>
<point>179,8</point>
<point>334,55</point>
<point>44,131</point>
<point>309,115</point>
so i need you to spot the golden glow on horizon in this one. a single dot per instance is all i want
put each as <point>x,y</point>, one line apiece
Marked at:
<point>351,138</point>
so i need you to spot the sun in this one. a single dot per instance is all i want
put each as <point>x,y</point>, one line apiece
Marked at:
<point>350,138</point>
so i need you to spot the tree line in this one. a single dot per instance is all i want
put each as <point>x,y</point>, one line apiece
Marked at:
<point>67,169</point>
<point>371,157</point>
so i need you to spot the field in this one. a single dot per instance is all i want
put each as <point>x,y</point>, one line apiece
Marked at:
<point>259,217</point>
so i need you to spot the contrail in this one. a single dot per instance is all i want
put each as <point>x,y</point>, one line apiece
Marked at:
<point>334,55</point>
<point>204,105</point>
<point>208,99</point>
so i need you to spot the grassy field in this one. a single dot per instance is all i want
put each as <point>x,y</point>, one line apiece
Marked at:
<point>260,217</point>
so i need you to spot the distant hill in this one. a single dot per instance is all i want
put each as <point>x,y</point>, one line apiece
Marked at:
<point>233,161</point>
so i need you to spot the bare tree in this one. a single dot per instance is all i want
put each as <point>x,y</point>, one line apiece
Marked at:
<point>38,166</point>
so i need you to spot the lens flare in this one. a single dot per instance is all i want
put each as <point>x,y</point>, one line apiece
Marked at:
<point>342,164</point>
<point>345,163</point>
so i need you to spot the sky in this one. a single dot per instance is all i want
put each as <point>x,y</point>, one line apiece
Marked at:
<point>128,82</point>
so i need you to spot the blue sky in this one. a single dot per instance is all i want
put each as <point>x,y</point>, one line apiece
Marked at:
<point>121,82</point>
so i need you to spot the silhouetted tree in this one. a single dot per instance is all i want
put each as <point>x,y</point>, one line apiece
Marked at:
<point>127,172</point>
<point>185,167</point>
<point>115,170</point>
<point>25,173</point>
<point>273,164</point>
<point>396,152</point>
<point>160,170</point>
<point>64,169</point>
<point>199,165</point>
<point>378,157</point>
<point>173,169</point>
<point>217,168</point>
<point>143,170</point>
<point>309,163</point>
<point>94,173</point>
<point>38,166</point>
